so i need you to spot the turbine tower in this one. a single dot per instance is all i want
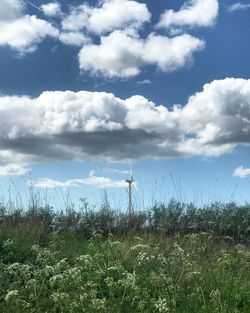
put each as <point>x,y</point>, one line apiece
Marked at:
<point>130,207</point>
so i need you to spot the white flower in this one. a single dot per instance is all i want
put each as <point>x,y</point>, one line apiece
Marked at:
<point>8,243</point>
<point>162,305</point>
<point>13,294</point>
<point>59,297</point>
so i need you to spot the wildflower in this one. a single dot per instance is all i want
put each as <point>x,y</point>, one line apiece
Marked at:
<point>56,279</point>
<point>48,270</point>
<point>141,257</point>
<point>25,304</point>
<point>8,243</point>
<point>85,259</point>
<point>61,265</point>
<point>178,251</point>
<point>36,248</point>
<point>21,270</point>
<point>31,283</point>
<point>11,295</point>
<point>98,304</point>
<point>215,294</point>
<point>59,297</point>
<point>128,281</point>
<point>162,305</point>
<point>74,306</point>
<point>75,274</point>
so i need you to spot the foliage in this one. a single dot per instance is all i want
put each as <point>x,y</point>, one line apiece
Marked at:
<point>191,273</point>
<point>228,220</point>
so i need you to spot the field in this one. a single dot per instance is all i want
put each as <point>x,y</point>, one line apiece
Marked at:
<point>175,258</point>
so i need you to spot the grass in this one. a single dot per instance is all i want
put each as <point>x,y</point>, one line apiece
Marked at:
<point>195,273</point>
<point>173,258</point>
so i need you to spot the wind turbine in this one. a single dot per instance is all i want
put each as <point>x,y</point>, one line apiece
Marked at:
<point>130,183</point>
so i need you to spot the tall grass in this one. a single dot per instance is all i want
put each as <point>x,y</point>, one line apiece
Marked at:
<point>172,257</point>
<point>228,220</point>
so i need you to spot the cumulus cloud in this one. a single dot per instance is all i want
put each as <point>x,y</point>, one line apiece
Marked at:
<point>22,32</point>
<point>122,54</point>
<point>194,13</point>
<point>52,9</point>
<point>87,126</point>
<point>11,9</point>
<point>238,6</point>
<point>220,114</point>
<point>121,51</point>
<point>25,33</point>
<point>108,16</point>
<point>12,164</point>
<point>97,181</point>
<point>74,38</point>
<point>241,172</point>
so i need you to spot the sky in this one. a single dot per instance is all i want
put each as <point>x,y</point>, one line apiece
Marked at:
<point>92,90</point>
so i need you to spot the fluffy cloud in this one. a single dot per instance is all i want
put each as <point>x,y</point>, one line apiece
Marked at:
<point>97,181</point>
<point>74,38</point>
<point>194,13</point>
<point>122,54</point>
<point>87,126</point>
<point>241,172</point>
<point>12,164</point>
<point>238,6</point>
<point>52,9</point>
<point>11,9</point>
<point>110,15</point>
<point>25,33</point>
<point>22,32</point>
<point>220,114</point>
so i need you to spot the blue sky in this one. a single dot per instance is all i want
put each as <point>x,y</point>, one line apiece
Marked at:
<point>88,88</point>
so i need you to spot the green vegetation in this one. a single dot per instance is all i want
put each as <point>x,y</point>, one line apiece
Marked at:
<point>173,258</point>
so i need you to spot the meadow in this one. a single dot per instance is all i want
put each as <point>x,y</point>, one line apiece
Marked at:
<point>173,257</point>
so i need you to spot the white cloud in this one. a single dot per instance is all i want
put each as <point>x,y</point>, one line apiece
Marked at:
<point>110,15</point>
<point>97,181</point>
<point>13,170</point>
<point>52,9</point>
<point>12,164</point>
<point>194,13</point>
<point>22,32</point>
<point>11,9</point>
<point>74,38</point>
<point>25,33</point>
<point>77,19</point>
<point>241,172</point>
<point>238,6</point>
<point>122,54</point>
<point>97,126</point>
<point>118,14</point>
